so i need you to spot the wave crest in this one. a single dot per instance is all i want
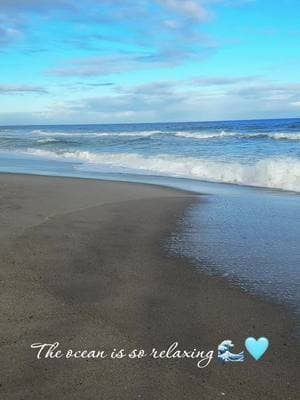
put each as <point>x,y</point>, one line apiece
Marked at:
<point>96,134</point>
<point>238,135</point>
<point>47,140</point>
<point>198,135</point>
<point>276,173</point>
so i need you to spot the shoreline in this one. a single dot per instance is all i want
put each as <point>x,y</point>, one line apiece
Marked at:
<point>85,178</point>
<point>83,262</point>
<point>144,182</point>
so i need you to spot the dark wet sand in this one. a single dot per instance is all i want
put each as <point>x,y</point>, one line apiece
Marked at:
<point>82,262</point>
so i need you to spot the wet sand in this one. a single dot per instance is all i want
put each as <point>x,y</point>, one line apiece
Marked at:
<point>83,262</point>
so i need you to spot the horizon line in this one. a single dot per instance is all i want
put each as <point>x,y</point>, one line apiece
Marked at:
<point>152,123</point>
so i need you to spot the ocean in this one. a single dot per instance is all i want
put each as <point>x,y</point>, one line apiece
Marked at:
<point>256,153</point>
<point>246,228</point>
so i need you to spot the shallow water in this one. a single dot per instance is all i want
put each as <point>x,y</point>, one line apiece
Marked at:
<point>250,236</point>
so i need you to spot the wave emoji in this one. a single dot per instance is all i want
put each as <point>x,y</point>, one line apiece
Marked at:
<point>225,355</point>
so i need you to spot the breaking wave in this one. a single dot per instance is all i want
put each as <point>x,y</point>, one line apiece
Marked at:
<point>224,134</point>
<point>96,134</point>
<point>130,134</point>
<point>198,135</point>
<point>278,173</point>
<point>47,140</point>
<point>206,135</point>
<point>285,136</point>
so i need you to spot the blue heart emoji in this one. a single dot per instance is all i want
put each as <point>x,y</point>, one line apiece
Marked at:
<point>257,347</point>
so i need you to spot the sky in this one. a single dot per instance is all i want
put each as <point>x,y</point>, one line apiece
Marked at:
<point>125,61</point>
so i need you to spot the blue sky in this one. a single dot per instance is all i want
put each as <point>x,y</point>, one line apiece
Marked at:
<point>112,61</point>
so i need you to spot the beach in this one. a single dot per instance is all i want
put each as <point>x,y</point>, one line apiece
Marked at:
<point>83,263</point>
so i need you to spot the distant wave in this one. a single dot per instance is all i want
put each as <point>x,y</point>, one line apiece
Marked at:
<point>277,173</point>
<point>39,132</point>
<point>47,140</point>
<point>287,136</point>
<point>96,134</point>
<point>197,135</point>
<point>224,134</point>
<point>205,135</point>
<point>129,134</point>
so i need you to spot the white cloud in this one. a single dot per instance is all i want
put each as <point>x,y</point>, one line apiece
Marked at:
<point>183,100</point>
<point>295,104</point>
<point>9,35</point>
<point>188,8</point>
<point>21,89</point>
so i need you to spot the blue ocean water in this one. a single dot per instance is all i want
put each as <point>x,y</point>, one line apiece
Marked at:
<point>256,153</point>
<point>247,226</point>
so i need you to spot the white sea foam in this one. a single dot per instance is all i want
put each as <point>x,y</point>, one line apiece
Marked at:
<point>278,173</point>
<point>39,132</point>
<point>47,140</point>
<point>238,135</point>
<point>198,135</point>
<point>283,135</point>
<point>129,134</point>
<point>205,135</point>
<point>97,134</point>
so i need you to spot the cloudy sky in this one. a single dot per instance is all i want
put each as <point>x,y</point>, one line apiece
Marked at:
<point>106,61</point>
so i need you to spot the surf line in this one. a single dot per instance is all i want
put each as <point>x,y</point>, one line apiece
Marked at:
<point>173,352</point>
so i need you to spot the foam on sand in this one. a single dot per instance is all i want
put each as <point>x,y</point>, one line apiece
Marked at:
<point>278,173</point>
